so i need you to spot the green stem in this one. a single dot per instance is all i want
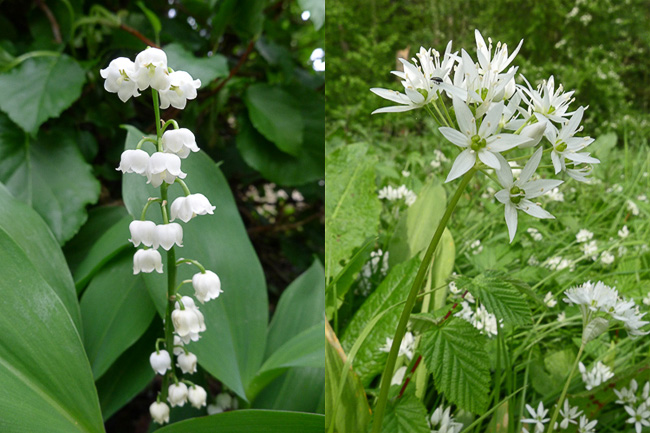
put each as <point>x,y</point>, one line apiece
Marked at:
<point>194,262</point>
<point>433,115</point>
<point>156,109</point>
<point>551,429</point>
<point>380,408</point>
<point>144,140</point>
<point>183,185</point>
<point>167,123</point>
<point>143,216</point>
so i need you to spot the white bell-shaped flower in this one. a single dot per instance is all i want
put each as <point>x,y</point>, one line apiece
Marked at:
<point>179,141</point>
<point>134,161</point>
<point>151,69</point>
<point>206,286</point>
<point>160,361</point>
<point>166,235</point>
<point>189,321</point>
<point>147,261</point>
<point>177,395</point>
<point>178,342</point>
<point>197,396</point>
<point>186,208</point>
<point>187,362</point>
<point>159,412</point>
<point>164,167</point>
<point>182,87</point>
<point>119,78</point>
<point>142,232</point>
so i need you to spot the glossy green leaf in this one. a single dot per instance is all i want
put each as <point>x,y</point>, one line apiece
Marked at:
<point>205,69</point>
<point>114,314</point>
<point>48,173</point>
<point>28,230</point>
<point>232,348</point>
<point>40,88</point>
<point>281,393</point>
<point>316,10</point>
<point>274,114</point>
<point>250,421</point>
<point>405,415</point>
<point>44,372</point>
<point>370,360</point>
<point>351,205</point>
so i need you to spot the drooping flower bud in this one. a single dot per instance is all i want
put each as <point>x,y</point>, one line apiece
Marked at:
<point>179,141</point>
<point>206,286</point>
<point>535,132</point>
<point>189,321</point>
<point>134,161</point>
<point>186,208</point>
<point>187,363</point>
<point>182,87</point>
<point>160,361</point>
<point>119,78</point>
<point>166,235</point>
<point>177,395</point>
<point>164,167</point>
<point>197,396</point>
<point>159,412</point>
<point>142,232</point>
<point>147,261</point>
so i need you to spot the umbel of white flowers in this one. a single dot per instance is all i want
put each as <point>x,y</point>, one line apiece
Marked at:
<point>494,120</point>
<point>175,88</point>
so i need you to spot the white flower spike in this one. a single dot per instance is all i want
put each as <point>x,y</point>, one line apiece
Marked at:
<point>207,286</point>
<point>180,142</point>
<point>119,76</point>
<point>147,261</point>
<point>181,88</point>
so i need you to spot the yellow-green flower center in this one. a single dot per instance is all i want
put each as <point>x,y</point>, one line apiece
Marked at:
<point>478,143</point>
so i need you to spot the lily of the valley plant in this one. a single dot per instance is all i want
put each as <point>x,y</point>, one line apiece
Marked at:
<point>494,122</point>
<point>183,321</point>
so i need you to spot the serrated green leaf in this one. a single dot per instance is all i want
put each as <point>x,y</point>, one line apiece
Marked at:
<point>405,415</point>
<point>456,356</point>
<point>40,88</point>
<point>351,205</point>
<point>370,360</point>
<point>499,296</point>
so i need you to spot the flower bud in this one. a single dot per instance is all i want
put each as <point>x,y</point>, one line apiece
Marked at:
<point>142,232</point>
<point>186,208</point>
<point>182,87</point>
<point>187,363</point>
<point>197,396</point>
<point>166,235</point>
<point>134,161</point>
<point>147,261</point>
<point>160,361</point>
<point>119,78</point>
<point>188,322</point>
<point>179,141</point>
<point>535,132</point>
<point>178,342</point>
<point>177,394</point>
<point>159,412</point>
<point>206,286</point>
<point>164,167</point>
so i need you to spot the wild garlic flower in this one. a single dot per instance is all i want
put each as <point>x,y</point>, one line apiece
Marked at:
<point>546,103</point>
<point>120,78</point>
<point>586,426</point>
<point>181,88</point>
<point>402,192</point>
<point>566,146</point>
<point>599,374</point>
<point>639,416</point>
<point>442,422</point>
<point>627,396</point>
<point>537,417</point>
<point>180,142</point>
<point>584,235</point>
<point>406,348</point>
<point>569,415</point>
<point>147,261</point>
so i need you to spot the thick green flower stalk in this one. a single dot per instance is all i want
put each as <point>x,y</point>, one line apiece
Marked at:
<point>162,168</point>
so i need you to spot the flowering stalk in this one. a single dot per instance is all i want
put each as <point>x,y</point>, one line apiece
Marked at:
<point>380,407</point>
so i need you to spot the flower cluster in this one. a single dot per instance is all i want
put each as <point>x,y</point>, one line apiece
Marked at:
<point>492,117</point>
<point>570,415</point>
<point>637,406</point>
<point>402,192</point>
<point>596,376</point>
<point>442,422</point>
<point>162,168</point>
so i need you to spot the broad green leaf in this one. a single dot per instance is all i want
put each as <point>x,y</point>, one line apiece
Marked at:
<point>281,393</point>
<point>351,205</point>
<point>40,88</point>
<point>353,413</point>
<point>274,114</point>
<point>250,421</point>
<point>28,230</point>
<point>232,348</point>
<point>129,374</point>
<point>47,381</point>
<point>456,356</point>
<point>205,69</point>
<point>111,243</point>
<point>417,225</point>
<point>114,314</point>
<point>395,288</point>
<point>316,10</point>
<point>499,296</point>
<point>405,415</point>
<point>248,18</point>
<point>48,173</point>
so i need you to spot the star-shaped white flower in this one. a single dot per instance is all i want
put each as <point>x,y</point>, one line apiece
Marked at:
<point>566,146</point>
<point>537,417</point>
<point>639,416</point>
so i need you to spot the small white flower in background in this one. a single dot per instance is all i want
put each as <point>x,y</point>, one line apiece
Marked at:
<point>206,286</point>
<point>142,232</point>
<point>590,249</point>
<point>119,76</point>
<point>485,321</point>
<point>516,194</point>
<point>186,208</point>
<point>223,402</point>
<point>476,247</point>
<point>438,159</point>
<point>640,416</point>
<point>406,347</point>
<point>188,322</point>
<point>398,377</point>
<point>627,396</point>
<point>557,263</point>
<point>537,417</point>
<point>177,395</point>
<point>616,188</point>
<point>597,375</point>
<point>187,362</point>
<point>151,69</point>
<point>134,161</point>
<point>624,232</point>
<point>561,316</point>
<point>406,173</point>
<point>607,258</point>
<point>642,197</point>
<point>453,288</point>
<point>632,207</point>
<point>402,192</point>
<point>555,195</point>
<point>178,342</point>
<point>532,261</point>
<point>147,261</point>
<point>164,167</point>
<point>550,300</point>
<point>586,426</point>
<point>535,234</point>
<point>166,235</point>
<point>197,396</point>
<point>160,361</point>
<point>646,299</point>
<point>181,88</point>
<point>569,415</point>
<point>621,251</point>
<point>584,235</point>
<point>179,141</point>
<point>442,422</point>
<point>159,412</point>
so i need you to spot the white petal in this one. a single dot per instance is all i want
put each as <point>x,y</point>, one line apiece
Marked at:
<point>491,120</point>
<point>504,173</point>
<point>391,95</point>
<point>539,187</point>
<point>503,196</point>
<point>463,163</point>
<point>489,159</point>
<point>466,121</point>
<point>531,166</point>
<point>534,210</point>
<point>394,109</point>
<point>557,163</point>
<point>502,142</point>
<point>511,220</point>
<point>456,137</point>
